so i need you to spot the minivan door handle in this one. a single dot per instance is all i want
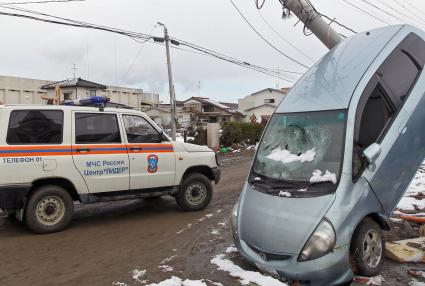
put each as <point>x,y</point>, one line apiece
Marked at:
<point>83,150</point>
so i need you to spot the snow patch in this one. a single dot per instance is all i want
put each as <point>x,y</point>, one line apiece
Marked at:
<point>231,249</point>
<point>139,275</point>
<point>215,232</point>
<point>285,156</point>
<point>166,268</point>
<point>176,281</point>
<point>415,282</point>
<point>246,277</point>
<point>302,190</point>
<point>318,176</point>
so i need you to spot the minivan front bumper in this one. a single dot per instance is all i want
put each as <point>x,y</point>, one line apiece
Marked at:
<point>331,269</point>
<point>216,174</point>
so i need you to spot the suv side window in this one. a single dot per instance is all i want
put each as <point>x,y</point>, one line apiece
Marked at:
<point>96,128</point>
<point>35,127</point>
<point>139,130</point>
<point>402,67</point>
<point>373,119</point>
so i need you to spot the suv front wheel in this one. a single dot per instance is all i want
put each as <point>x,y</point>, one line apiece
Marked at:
<point>49,209</point>
<point>195,192</point>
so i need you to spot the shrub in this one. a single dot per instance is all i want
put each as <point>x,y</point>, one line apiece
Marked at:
<point>241,132</point>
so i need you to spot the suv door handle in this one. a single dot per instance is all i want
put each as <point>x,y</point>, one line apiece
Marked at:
<point>135,148</point>
<point>83,150</point>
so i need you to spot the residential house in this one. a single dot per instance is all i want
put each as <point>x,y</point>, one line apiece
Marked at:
<point>161,114</point>
<point>260,105</point>
<point>206,110</point>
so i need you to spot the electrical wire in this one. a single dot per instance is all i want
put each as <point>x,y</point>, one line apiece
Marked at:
<point>400,13</point>
<point>414,7</point>
<point>382,10</point>
<point>365,12</point>
<point>142,38</point>
<point>41,2</point>
<point>283,38</point>
<point>408,10</point>
<point>265,40</point>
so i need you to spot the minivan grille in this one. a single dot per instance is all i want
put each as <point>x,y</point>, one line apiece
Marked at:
<point>267,256</point>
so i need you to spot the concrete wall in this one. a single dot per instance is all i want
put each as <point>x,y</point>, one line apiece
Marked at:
<point>259,99</point>
<point>14,90</point>
<point>259,111</point>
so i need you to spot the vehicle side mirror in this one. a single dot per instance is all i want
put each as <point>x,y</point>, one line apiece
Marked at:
<point>371,153</point>
<point>162,136</point>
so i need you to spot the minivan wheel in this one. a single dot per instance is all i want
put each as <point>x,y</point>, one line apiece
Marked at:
<point>195,193</point>
<point>367,249</point>
<point>49,209</point>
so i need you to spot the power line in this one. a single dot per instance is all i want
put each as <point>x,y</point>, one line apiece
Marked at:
<point>382,10</point>
<point>283,38</point>
<point>414,7</point>
<point>365,12</point>
<point>41,2</point>
<point>139,37</point>
<point>401,13</point>
<point>264,39</point>
<point>407,9</point>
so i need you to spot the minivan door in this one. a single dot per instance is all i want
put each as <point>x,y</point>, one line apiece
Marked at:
<point>152,160</point>
<point>99,152</point>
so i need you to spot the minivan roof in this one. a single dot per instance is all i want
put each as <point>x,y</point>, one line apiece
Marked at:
<point>331,82</point>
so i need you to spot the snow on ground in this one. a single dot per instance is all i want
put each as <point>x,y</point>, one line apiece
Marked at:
<point>245,277</point>
<point>166,268</point>
<point>176,281</point>
<point>415,282</point>
<point>318,176</point>
<point>139,275</point>
<point>215,232</point>
<point>410,202</point>
<point>231,249</point>
<point>285,156</point>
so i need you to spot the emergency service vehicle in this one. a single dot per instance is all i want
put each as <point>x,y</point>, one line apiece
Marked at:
<point>53,156</point>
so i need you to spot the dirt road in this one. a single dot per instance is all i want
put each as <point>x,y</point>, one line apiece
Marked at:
<point>106,242</point>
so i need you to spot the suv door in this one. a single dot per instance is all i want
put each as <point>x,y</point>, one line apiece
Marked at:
<point>98,151</point>
<point>152,160</point>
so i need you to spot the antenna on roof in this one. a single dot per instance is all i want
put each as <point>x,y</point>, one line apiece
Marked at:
<point>75,70</point>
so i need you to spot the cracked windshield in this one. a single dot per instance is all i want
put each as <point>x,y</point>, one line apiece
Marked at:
<point>302,149</point>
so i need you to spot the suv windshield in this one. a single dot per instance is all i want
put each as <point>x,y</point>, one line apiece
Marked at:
<point>300,152</point>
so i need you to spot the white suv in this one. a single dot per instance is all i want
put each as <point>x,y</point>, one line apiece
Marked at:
<point>52,156</point>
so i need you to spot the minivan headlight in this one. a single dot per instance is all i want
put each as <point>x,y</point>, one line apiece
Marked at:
<point>320,243</point>
<point>234,219</point>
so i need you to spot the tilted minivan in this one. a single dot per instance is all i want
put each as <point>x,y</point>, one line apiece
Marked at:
<point>334,161</point>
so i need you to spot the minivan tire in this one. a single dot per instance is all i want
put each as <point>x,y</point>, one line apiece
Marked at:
<point>49,209</point>
<point>195,192</point>
<point>367,242</point>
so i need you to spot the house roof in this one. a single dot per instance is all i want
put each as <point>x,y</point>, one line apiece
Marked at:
<point>332,81</point>
<point>76,82</point>
<point>283,90</point>
<point>266,104</point>
<point>222,106</point>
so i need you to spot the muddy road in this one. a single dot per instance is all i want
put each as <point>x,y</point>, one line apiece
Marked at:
<point>106,242</point>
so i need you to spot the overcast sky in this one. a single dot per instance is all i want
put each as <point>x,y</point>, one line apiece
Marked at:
<point>47,51</point>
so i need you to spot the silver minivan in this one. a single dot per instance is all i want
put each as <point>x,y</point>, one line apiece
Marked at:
<point>335,159</point>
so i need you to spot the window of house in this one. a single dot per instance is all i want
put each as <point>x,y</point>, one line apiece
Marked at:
<point>92,92</point>
<point>35,127</point>
<point>139,130</point>
<point>270,100</point>
<point>374,121</point>
<point>67,96</point>
<point>96,128</point>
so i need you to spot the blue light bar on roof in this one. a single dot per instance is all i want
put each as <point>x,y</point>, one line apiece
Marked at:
<point>94,100</point>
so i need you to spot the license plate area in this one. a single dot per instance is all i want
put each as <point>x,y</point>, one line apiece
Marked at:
<point>267,270</point>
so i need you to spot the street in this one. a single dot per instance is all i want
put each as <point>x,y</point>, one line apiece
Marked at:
<point>112,243</point>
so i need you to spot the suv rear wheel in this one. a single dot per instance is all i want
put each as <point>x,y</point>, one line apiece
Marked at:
<point>367,249</point>
<point>49,209</point>
<point>195,192</point>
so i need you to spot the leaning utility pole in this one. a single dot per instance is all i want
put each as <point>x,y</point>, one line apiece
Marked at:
<point>314,22</point>
<point>170,83</point>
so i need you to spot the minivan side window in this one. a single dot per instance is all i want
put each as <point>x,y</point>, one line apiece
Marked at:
<point>402,67</point>
<point>96,128</point>
<point>139,130</point>
<point>35,127</point>
<point>375,118</point>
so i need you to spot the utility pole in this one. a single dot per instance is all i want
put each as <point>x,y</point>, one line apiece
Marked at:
<point>170,83</point>
<point>314,22</point>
